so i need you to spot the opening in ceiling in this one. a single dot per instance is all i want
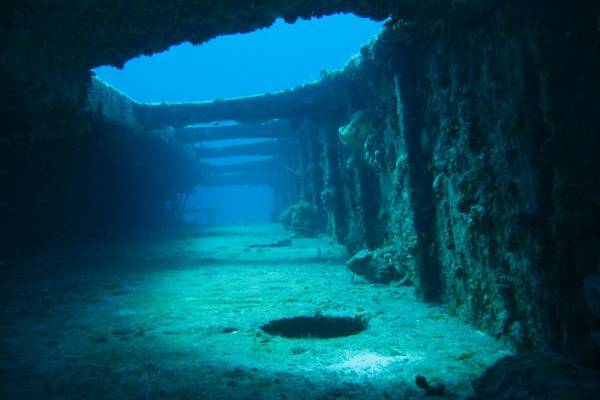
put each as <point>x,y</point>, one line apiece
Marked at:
<point>266,60</point>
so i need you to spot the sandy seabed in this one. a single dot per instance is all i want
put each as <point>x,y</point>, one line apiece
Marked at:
<point>177,316</point>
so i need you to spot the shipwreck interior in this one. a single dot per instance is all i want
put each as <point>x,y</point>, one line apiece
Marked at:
<point>434,208</point>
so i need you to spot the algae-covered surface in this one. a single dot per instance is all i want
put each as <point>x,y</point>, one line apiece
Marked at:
<point>177,316</point>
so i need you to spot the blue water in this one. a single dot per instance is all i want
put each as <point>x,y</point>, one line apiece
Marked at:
<point>267,60</point>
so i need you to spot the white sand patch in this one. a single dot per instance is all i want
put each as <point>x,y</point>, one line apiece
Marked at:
<point>367,363</point>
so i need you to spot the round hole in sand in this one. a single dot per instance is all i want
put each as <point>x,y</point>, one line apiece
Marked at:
<point>318,326</point>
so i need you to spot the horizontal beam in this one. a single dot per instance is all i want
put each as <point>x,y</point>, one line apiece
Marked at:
<point>266,148</point>
<point>274,129</point>
<point>112,105</point>
<point>327,97</point>
<point>261,167</point>
<point>241,179</point>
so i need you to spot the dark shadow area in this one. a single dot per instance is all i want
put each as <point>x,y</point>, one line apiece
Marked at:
<point>203,380</point>
<point>318,326</point>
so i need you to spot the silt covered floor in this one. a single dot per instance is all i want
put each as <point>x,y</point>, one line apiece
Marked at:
<point>178,315</point>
